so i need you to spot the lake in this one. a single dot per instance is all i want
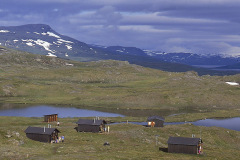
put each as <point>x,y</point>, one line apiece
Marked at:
<point>215,67</point>
<point>229,123</point>
<point>63,112</point>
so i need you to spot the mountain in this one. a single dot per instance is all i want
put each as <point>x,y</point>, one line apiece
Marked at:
<point>235,66</point>
<point>193,59</point>
<point>42,39</point>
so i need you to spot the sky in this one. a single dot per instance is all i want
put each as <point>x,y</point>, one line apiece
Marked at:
<point>192,26</point>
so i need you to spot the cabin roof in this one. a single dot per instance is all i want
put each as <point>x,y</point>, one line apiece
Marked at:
<point>50,114</point>
<point>90,122</point>
<point>155,117</point>
<point>184,141</point>
<point>39,130</point>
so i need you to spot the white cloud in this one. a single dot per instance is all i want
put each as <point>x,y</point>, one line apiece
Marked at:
<point>145,29</point>
<point>203,26</point>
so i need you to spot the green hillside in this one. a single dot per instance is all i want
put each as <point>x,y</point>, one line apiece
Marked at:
<point>115,86</point>
<point>37,79</point>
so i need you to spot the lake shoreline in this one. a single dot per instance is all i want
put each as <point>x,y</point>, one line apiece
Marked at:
<point>177,116</point>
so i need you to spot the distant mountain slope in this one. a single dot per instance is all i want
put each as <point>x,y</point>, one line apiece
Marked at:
<point>10,58</point>
<point>42,39</point>
<point>193,59</point>
<point>233,66</point>
<point>183,58</point>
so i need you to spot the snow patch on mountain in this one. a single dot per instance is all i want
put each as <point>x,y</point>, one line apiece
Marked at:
<point>69,47</point>
<point>4,31</point>
<point>30,44</point>
<point>50,34</point>
<point>232,83</point>
<point>119,51</point>
<point>44,44</point>
<point>153,53</point>
<point>62,40</point>
<point>51,55</point>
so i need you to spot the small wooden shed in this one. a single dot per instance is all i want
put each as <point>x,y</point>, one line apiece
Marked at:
<point>185,145</point>
<point>155,121</point>
<point>51,118</point>
<point>88,125</point>
<point>42,134</point>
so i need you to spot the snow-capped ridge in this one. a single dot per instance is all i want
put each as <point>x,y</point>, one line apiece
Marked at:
<point>4,31</point>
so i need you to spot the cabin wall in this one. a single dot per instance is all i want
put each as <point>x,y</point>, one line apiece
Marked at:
<point>39,137</point>
<point>88,128</point>
<point>177,148</point>
<point>50,118</point>
<point>158,123</point>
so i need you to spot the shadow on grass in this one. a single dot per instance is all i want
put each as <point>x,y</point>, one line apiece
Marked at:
<point>76,128</point>
<point>163,149</point>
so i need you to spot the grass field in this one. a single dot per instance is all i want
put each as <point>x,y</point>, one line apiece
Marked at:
<point>127,141</point>
<point>114,86</point>
<point>36,79</point>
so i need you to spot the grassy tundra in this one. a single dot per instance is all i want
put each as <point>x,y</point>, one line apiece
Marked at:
<point>119,87</point>
<point>127,141</point>
<point>36,79</point>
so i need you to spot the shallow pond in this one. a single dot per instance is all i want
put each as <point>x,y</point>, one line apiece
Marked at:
<point>41,110</point>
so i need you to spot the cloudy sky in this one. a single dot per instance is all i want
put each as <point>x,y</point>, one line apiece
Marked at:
<point>197,26</point>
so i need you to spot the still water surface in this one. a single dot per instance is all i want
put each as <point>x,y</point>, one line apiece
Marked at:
<point>230,123</point>
<point>39,111</point>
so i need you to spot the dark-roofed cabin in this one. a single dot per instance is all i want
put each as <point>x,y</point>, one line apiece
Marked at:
<point>88,125</point>
<point>50,118</point>
<point>42,134</point>
<point>185,145</point>
<point>155,121</point>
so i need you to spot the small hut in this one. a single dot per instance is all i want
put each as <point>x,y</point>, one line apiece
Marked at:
<point>88,125</point>
<point>185,145</point>
<point>42,134</point>
<point>155,121</point>
<point>51,118</point>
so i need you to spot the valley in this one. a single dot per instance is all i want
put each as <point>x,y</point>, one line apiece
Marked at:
<point>42,39</point>
<point>29,78</point>
<point>117,87</point>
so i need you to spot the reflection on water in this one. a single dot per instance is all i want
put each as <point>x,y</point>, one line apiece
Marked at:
<point>39,111</point>
<point>126,112</point>
<point>229,123</point>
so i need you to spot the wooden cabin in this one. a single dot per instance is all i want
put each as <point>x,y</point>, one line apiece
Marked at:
<point>155,121</point>
<point>42,134</point>
<point>51,118</point>
<point>185,145</point>
<point>89,125</point>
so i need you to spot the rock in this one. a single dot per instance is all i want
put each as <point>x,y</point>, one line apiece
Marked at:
<point>17,134</point>
<point>8,136</point>
<point>106,144</point>
<point>21,142</point>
